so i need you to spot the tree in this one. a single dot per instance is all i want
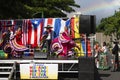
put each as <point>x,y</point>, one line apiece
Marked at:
<point>35,8</point>
<point>111,25</point>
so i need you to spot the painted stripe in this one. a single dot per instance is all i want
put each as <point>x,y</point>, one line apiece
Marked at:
<point>76,27</point>
<point>50,20</point>
<point>62,26</point>
<point>72,28</point>
<point>35,35</point>
<point>29,32</point>
<point>32,34</point>
<point>57,26</point>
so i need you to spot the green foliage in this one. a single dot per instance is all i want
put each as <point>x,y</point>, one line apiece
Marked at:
<point>110,25</point>
<point>35,8</point>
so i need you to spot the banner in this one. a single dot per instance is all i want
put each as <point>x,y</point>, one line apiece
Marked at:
<point>39,71</point>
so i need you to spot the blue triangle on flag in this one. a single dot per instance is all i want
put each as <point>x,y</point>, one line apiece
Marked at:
<point>36,22</point>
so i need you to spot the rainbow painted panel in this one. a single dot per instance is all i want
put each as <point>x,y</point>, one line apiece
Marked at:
<point>76,35</point>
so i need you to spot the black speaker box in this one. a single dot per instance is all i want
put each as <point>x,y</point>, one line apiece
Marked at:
<point>93,23</point>
<point>87,24</point>
<point>40,55</point>
<point>87,69</point>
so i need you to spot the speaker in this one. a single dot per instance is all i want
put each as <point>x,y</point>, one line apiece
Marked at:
<point>87,24</point>
<point>40,55</point>
<point>87,69</point>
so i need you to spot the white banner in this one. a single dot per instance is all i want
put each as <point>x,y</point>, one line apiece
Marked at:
<point>39,71</point>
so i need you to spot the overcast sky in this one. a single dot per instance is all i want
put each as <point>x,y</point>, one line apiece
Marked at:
<point>100,8</point>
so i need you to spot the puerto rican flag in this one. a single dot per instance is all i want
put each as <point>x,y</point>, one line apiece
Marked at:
<point>33,29</point>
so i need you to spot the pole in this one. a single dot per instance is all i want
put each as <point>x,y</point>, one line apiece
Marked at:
<point>42,15</point>
<point>86,37</point>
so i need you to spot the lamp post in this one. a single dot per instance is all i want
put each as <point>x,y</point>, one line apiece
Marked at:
<point>42,14</point>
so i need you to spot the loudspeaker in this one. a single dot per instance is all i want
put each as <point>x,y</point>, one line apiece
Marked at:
<point>93,23</point>
<point>87,24</point>
<point>40,55</point>
<point>87,69</point>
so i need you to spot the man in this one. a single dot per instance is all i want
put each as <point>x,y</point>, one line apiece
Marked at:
<point>5,45</point>
<point>47,38</point>
<point>116,56</point>
<point>9,32</point>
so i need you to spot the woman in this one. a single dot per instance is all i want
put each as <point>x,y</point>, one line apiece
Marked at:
<point>63,44</point>
<point>103,57</point>
<point>97,51</point>
<point>16,43</point>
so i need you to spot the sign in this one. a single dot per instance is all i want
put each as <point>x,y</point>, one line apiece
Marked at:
<point>39,71</point>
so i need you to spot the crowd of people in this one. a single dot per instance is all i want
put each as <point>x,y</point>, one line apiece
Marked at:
<point>103,54</point>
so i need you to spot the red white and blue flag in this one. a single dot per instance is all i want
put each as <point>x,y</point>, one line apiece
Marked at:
<point>34,31</point>
<point>33,28</point>
<point>58,24</point>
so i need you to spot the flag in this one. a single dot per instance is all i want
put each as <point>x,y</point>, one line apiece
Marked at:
<point>24,31</point>
<point>34,31</point>
<point>58,24</point>
<point>75,27</point>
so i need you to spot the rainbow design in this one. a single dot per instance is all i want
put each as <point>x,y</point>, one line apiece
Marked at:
<point>76,35</point>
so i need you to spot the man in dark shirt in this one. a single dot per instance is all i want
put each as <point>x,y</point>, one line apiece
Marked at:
<point>47,38</point>
<point>116,56</point>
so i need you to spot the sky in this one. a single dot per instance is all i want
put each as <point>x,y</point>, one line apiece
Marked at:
<point>100,8</point>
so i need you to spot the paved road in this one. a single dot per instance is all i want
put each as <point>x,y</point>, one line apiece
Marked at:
<point>108,75</point>
<point>104,74</point>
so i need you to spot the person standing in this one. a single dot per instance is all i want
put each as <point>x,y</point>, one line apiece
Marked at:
<point>96,55</point>
<point>47,38</point>
<point>103,57</point>
<point>115,56</point>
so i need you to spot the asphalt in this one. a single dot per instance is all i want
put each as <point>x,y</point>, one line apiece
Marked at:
<point>108,74</point>
<point>104,74</point>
